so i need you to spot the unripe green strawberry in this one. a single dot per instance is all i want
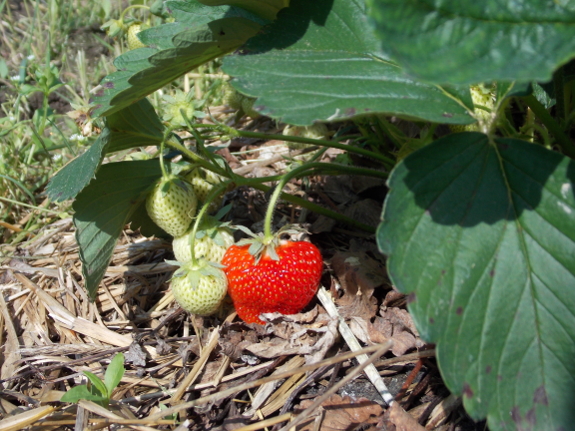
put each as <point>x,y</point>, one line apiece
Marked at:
<point>172,205</point>
<point>315,131</point>
<point>248,107</point>
<point>203,181</point>
<point>232,98</point>
<point>133,41</point>
<point>240,102</point>
<point>199,289</point>
<point>178,107</point>
<point>212,240</point>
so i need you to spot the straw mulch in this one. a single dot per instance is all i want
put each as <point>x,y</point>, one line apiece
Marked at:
<point>336,366</point>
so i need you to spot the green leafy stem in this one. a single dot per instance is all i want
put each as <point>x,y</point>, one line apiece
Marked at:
<point>560,137</point>
<point>305,170</point>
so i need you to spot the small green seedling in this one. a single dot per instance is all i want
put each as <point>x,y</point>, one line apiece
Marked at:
<point>97,390</point>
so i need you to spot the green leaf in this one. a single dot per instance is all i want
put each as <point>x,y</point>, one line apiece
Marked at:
<point>114,373</point>
<point>73,177</point>
<point>481,235</point>
<point>137,125</point>
<point>98,385</point>
<point>320,61</point>
<point>142,71</point>
<point>104,207</point>
<point>469,42</point>
<point>190,14</point>
<point>196,14</point>
<point>267,9</point>
<point>81,392</point>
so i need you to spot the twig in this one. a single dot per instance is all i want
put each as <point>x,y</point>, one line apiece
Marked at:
<point>226,393</point>
<point>356,371</point>
<point>371,372</point>
<point>207,351</point>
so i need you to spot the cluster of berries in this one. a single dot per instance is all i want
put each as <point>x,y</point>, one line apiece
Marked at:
<point>261,275</point>
<point>199,286</point>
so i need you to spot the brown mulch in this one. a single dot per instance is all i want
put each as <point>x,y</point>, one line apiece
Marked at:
<point>336,366</point>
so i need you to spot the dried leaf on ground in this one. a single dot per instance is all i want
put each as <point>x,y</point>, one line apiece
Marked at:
<point>366,210</point>
<point>396,323</point>
<point>359,275</point>
<point>312,340</point>
<point>397,419</point>
<point>344,413</point>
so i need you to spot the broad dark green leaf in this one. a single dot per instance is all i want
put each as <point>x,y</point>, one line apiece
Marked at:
<point>136,125</point>
<point>482,237</point>
<point>196,14</point>
<point>142,71</point>
<point>114,373</point>
<point>266,9</point>
<point>469,42</point>
<point>104,207</point>
<point>73,177</point>
<point>320,61</point>
<point>190,14</point>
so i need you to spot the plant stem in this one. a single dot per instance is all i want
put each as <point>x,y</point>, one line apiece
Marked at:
<point>308,169</point>
<point>193,157</point>
<point>216,191</point>
<point>319,209</point>
<point>319,142</point>
<point>561,138</point>
<point>134,6</point>
<point>162,166</point>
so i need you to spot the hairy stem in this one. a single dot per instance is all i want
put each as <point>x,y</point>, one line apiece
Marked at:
<point>561,138</point>
<point>216,191</point>
<point>309,169</point>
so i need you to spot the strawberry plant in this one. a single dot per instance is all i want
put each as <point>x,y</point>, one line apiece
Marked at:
<point>478,226</point>
<point>97,390</point>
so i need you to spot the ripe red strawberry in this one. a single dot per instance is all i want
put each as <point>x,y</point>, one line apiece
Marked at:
<point>283,280</point>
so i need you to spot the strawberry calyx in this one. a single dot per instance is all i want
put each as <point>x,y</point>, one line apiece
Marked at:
<point>261,245</point>
<point>194,271</point>
<point>212,227</point>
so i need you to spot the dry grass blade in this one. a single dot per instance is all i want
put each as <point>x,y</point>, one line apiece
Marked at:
<point>354,345</point>
<point>24,419</point>
<point>206,352</point>
<point>442,411</point>
<point>356,371</point>
<point>265,391</point>
<point>116,419</point>
<point>249,385</point>
<point>66,319</point>
<point>266,423</point>
<point>11,345</point>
